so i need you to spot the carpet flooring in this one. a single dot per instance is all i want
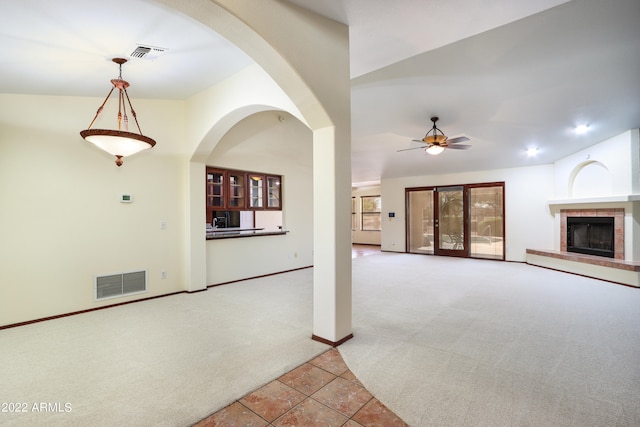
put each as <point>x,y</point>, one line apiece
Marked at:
<point>165,362</point>
<point>439,341</point>
<point>464,342</point>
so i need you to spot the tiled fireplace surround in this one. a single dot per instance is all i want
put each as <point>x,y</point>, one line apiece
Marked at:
<point>617,269</point>
<point>618,223</point>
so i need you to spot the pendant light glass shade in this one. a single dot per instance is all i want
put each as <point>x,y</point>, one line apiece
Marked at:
<point>119,143</point>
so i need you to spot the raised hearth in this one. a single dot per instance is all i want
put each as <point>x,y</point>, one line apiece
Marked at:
<point>609,269</point>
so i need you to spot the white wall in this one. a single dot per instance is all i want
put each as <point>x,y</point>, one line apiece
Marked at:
<point>61,222</point>
<point>609,168</point>
<point>528,221</point>
<point>359,236</point>
<point>265,143</point>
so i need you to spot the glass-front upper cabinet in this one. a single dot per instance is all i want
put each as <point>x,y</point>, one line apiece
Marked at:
<point>229,189</point>
<point>256,190</point>
<point>215,188</point>
<point>273,192</point>
<point>236,189</point>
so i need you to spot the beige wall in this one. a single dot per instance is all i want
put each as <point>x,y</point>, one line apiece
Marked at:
<point>61,221</point>
<point>270,142</point>
<point>610,168</point>
<point>47,263</point>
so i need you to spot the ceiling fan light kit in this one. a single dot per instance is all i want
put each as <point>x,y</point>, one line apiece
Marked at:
<point>119,143</point>
<point>437,141</point>
<point>582,129</point>
<point>434,150</point>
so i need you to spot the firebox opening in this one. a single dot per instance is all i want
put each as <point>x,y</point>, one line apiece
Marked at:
<point>591,235</point>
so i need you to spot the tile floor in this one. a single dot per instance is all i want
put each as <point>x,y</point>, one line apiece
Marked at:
<point>321,392</point>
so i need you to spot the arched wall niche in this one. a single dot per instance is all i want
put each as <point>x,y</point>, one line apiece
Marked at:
<point>590,179</point>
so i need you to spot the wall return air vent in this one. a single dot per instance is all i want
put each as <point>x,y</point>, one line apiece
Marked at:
<point>120,284</point>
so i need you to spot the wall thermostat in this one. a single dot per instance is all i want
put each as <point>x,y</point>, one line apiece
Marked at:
<point>126,198</point>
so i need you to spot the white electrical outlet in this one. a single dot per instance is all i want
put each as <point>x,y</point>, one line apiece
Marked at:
<point>163,225</point>
<point>163,275</point>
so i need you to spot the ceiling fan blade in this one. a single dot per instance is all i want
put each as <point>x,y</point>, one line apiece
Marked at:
<point>414,148</point>
<point>458,139</point>
<point>458,147</point>
<point>418,140</point>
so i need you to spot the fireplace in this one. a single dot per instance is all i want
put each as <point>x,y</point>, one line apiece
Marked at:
<point>591,235</point>
<point>597,232</point>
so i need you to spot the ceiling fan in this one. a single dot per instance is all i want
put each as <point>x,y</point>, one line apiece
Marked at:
<point>436,141</point>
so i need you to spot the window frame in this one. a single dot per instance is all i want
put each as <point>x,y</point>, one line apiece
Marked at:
<point>364,214</point>
<point>354,214</point>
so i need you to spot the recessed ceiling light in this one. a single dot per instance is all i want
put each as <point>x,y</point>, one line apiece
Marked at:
<point>582,129</point>
<point>532,152</point>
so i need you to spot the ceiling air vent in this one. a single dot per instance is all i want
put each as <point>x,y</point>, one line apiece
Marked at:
<point>148,53</point>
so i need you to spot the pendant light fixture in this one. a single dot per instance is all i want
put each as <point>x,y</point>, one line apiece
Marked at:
<point>119,143</point>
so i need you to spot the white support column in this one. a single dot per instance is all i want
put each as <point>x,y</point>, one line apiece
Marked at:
<point>332,237</point>
<point>196,253</point>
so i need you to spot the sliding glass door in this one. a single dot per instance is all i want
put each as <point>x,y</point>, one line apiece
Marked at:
<point>486,204</point>
<point>420,221</point>
<point>450,209</point>
<point>464,220</point>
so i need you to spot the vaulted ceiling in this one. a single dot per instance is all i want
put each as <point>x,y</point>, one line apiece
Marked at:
<point>508,75</point>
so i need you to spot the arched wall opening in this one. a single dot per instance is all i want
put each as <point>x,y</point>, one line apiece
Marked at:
<point>293,47</point>
<point>276,143</point>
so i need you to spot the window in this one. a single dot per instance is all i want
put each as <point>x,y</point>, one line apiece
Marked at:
<point>354,216</point>
<point>371,213</point>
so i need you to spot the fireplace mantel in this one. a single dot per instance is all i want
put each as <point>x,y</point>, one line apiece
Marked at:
<point>629,198</point>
